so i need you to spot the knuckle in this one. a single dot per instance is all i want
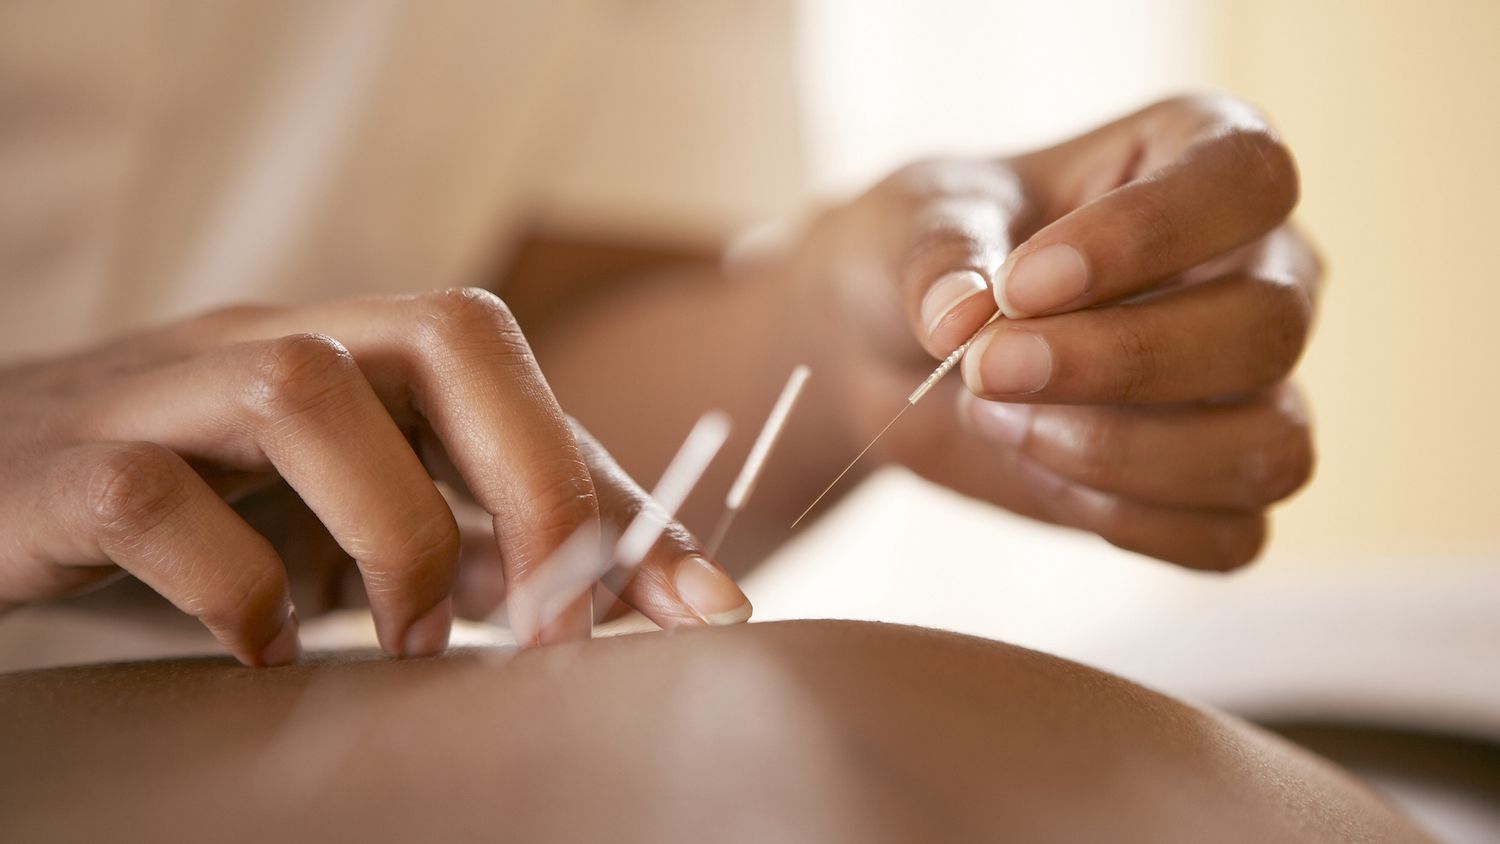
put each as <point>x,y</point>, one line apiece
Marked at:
<point>1155,233</point>
<point>1286,323</point>
<point>467,303</point>
<point>567,503</point>
<point>554,513</point>
<point>135,487</point>
<point>435,542</point>
<point>1103,513</point>
<point>465,320</point>
<point>1097,454</point>
<point>1268,166</point>
<point>1236,544</point>
<point>1139,366</point>
<point>225,608</point>
<point>464,311</point>
<point>430,547</point>
<point>297,372</point>
<point>1232,124</point>
<point>1282,464</point>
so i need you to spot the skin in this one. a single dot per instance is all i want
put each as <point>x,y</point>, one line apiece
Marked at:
<point>1154,410</point>
<point>802,731</point>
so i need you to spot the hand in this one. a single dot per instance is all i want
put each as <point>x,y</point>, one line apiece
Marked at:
<point>1156,301</point>
<point>128,458</point>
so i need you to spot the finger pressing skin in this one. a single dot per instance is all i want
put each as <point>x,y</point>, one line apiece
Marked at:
<point>458,360</point>
<point>1243,455</point>
<point>301,405</point>
<point>1231,336</point>
<point>141,507</point>
<point>676,585</point>
<point>1225,182</point>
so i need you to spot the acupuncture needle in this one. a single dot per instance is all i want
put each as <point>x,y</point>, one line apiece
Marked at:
<point>577,563</point>
<point>755,462</point>
<point>916,395</point>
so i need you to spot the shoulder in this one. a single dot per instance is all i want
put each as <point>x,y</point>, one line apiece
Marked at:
<point>816,730</point>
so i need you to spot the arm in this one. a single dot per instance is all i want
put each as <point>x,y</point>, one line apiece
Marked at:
<point>1156,298</point>
<point>638,364</point>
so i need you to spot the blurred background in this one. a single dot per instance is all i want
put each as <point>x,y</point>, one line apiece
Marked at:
<point>694,124</point>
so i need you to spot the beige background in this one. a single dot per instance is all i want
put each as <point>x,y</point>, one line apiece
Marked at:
<point>1394,112</point>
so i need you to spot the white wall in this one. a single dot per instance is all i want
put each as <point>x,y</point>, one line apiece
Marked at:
<point>886,82</point>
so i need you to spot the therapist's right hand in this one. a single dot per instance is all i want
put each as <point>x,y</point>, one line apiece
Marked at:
<point>128,457</point>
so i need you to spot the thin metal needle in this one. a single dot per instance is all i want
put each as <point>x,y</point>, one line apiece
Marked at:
<point>755,462</point>
<point>916,395</point>
<point>577,563</point>
<point>677,482</point>
<point>834,483</point>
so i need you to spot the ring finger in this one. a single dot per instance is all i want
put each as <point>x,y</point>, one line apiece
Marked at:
<point>1240,456</point>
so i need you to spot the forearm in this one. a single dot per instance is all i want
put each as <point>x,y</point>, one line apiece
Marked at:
<point>638,366</point>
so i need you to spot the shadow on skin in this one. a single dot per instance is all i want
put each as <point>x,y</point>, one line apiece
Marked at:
<point>813,730</point>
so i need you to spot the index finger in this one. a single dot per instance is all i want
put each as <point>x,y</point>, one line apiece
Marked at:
<point>457,358</point>
<point>1200,177</point>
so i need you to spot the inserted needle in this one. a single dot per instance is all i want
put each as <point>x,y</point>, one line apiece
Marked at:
<point>744,484</point>
<point>916,395</point>
<point>577,562</point>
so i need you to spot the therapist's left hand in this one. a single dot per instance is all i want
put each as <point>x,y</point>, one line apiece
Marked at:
<point>1156,301</point>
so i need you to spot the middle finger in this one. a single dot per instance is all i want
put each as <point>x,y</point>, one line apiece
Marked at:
<point>457,359</point>
<point>1229,336</point>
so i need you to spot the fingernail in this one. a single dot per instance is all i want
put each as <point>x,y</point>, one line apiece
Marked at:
<point>1045,279</point>
<point>285,648</point>
<point>428,635</point>
<point>1000,421</point>
<point>710,593</point>
<point>1008,363</point>
<point>946,294</point>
